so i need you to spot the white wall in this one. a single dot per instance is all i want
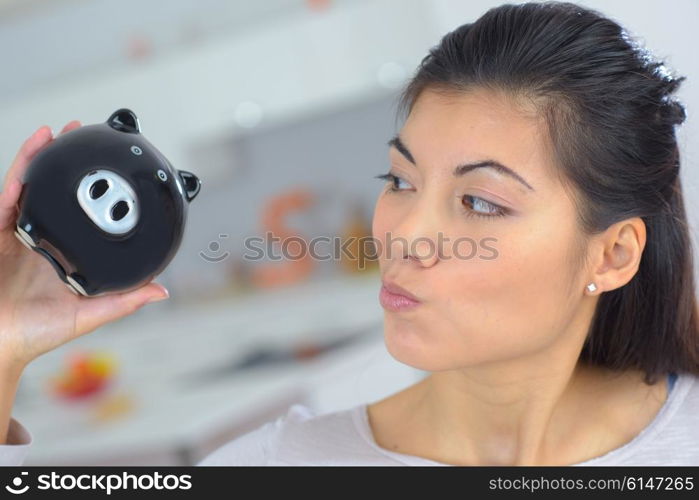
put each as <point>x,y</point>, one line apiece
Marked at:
<point>291,63</point>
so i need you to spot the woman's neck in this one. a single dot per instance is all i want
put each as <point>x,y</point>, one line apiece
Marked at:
<point>468,417</point>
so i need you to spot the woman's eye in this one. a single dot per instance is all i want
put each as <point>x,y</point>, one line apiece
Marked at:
<point>481,208</point>
<point>473,205</point>
<point>395,181</point>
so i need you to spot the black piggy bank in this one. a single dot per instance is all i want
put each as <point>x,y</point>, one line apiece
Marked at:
<point>104,206</point>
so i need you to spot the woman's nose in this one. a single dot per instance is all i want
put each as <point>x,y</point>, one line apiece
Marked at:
<point>419,238</point>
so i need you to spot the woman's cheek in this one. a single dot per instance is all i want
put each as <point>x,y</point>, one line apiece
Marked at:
<point>381,227</point>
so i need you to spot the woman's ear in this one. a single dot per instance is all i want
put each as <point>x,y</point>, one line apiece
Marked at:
<point>620,254</point>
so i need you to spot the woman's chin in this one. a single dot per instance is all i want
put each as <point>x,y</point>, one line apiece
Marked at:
<point>408,346</point>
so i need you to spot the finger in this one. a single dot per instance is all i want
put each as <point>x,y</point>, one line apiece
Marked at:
<point>10,196</point>
<point>8,204</point>
<point>96,311</point>
<point>26,152</point>
<point>72,125</point>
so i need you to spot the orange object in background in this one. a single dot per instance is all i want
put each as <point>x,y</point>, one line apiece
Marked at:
<point>318,5</point>
<point>361,251</point>
<point>86,374</point>
<point>138,47</point>
<point>289,271</point>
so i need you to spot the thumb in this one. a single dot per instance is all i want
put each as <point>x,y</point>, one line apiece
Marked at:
<point>96,311</point>
<point>8,202</point>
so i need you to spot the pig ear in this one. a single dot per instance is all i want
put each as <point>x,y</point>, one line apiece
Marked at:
<point>124,120</point>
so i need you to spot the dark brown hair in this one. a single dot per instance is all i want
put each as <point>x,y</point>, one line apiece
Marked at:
<point>610,116</point>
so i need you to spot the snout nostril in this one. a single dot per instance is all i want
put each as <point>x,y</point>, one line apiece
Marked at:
<point>119,210</point>
<point>98,189</point>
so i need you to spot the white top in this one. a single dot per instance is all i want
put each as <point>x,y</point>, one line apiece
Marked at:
<point>303,437</point>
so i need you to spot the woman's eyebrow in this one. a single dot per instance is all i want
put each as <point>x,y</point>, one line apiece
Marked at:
<point>460,170</point>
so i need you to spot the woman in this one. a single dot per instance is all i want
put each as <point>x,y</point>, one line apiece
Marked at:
<point>534,254</point>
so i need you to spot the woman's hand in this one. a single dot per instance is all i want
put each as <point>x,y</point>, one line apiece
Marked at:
<point>37,311</point>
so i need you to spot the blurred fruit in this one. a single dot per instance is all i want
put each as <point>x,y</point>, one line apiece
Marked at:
<point>85,374</point>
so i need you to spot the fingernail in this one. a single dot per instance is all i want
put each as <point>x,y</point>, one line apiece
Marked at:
<point>165,294</point>
<point>157,298</point>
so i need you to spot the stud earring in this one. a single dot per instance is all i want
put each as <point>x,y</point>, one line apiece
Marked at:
<point>591,287</point>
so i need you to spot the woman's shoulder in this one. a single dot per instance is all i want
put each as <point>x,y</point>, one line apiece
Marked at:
<point>673,436</point>
<point>687,387</point>
<point>301,435</point>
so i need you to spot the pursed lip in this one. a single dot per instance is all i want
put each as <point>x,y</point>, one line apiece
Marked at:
<point>399,290</point>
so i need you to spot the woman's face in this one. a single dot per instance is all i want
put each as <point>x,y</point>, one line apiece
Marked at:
<point>509,287</point>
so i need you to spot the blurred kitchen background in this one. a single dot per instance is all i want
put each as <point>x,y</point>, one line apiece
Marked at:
<point>283,109</point>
